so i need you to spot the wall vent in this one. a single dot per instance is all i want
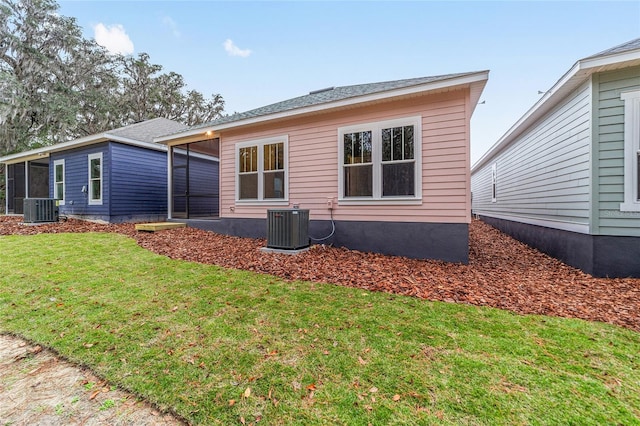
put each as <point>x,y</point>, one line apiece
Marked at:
<point>40,210</point>
<point>288,229</point>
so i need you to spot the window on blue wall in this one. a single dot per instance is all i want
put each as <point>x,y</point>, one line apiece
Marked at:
<point>631,151</point>
<point>58,181</point>
<point>95,178</point>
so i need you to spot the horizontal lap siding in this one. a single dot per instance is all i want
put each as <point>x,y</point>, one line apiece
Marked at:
<point>610,133</point>
<point>77,175</point>
<point>138,180</point>
<point>313,162</point>
<point>544,174</point>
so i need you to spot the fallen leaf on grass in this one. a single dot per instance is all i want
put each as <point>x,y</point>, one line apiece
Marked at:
<point>362,361</point>
<point>396,397</point>
<point>232,402</point>
<point>93,395</point>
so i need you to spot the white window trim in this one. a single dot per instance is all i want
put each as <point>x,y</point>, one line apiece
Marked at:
<point>631,150</point>
<point>91,201</point>
<point>376,158</point>
<point>260,143</point>
<point>64,181</point>
<point>494,182</point>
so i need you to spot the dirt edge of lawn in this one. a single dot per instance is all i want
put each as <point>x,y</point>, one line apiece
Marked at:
<point>37,386</point>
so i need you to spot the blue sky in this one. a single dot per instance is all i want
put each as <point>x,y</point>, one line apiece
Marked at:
<point>257,53</point>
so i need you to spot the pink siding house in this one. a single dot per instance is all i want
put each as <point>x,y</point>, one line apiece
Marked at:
<point>388,163</point>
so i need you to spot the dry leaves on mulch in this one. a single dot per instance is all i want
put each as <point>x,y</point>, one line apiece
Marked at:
<point>502,272</point>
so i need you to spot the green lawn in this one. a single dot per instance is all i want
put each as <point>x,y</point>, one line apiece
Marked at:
<point>217,346</point>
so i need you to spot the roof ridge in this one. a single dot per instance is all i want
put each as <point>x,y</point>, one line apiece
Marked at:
<point>326,96</point>
<point>137,123</point>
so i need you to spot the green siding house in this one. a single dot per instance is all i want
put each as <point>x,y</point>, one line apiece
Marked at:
<point>566,177</point>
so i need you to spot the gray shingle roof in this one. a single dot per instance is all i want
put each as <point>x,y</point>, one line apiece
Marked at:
<point>329,95</point>
<point>621,48</point>
<point>145,131</point>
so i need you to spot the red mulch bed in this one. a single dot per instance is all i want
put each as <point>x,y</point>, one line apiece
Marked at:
<point>502,272</point>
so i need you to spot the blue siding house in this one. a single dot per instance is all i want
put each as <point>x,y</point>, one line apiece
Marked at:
<point>115,176</point>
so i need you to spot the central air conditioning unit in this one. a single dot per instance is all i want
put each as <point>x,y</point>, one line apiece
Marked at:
<point>40,210</point>
<point>287,229</point>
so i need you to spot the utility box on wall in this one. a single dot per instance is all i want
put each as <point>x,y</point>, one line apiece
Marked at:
<point>40,210</point>
<point>288,229</point>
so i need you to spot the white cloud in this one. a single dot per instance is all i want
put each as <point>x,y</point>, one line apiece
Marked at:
<point>234,50</point>
<point>171,24</point>
<point>114,38</point>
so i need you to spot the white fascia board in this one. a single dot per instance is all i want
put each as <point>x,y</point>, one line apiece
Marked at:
<point>77,143</point>
<point>22,157</point>
<point>632,55</point>
<point>423,88</point>
<point>46,150</point>
<point>544,104</point>
<point>576,75</point>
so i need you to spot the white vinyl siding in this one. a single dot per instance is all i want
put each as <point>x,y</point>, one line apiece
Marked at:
<point>610,131</point>
<point>544,174</point>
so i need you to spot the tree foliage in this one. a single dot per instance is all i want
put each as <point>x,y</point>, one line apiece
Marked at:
<point>148,94</point>
<point>56,85</point>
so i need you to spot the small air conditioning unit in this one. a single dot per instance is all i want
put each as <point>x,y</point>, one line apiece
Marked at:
<point>40,210</point>
<point>288,229</point>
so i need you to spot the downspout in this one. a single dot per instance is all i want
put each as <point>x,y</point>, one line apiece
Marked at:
<point>26,179</point>
<point>169,182</point>
<point>6,189</point>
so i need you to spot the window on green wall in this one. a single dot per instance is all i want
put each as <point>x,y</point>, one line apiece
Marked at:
<point>631,151</point>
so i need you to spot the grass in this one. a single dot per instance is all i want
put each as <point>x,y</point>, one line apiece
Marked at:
<point>221,346</point>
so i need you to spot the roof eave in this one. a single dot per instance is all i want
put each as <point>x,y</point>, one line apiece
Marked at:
<point>76,143</point>
<point>576,75</point>
<point>474,78</point>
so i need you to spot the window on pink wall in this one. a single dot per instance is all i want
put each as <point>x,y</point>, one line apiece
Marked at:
<point>379,161</point>
<point>262,170</point>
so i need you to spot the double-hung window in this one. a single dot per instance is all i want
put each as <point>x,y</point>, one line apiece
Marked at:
<point>58,181</point>
<point>380,161</point>
<point>95,178</point>
<point>631,151</point>
<point>262,170</point>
